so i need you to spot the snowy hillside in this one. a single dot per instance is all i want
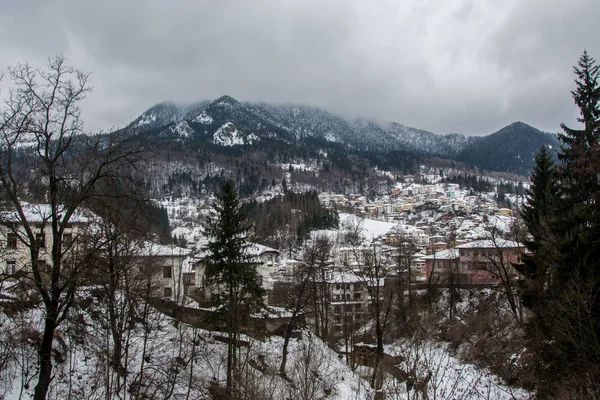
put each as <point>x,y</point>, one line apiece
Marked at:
<point>165,358</point>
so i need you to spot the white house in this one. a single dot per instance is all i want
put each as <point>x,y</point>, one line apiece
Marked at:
<point>14,248</point>
<point>263,258</point>
<point>169,267</point>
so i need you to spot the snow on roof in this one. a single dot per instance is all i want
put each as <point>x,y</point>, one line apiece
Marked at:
<point>490,244</point>
<point>253,250</point>
<point>405,229</point>
<point>41,213</point>
<point>161,250</point>
<point>342,277</point>
<point>449,254</point>
<point>256,249</point>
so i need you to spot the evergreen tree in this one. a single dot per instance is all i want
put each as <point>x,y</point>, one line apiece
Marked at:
<point>537,214</point>
<point>580,157</point>
<point>562,275</point>
<point>229,266</point>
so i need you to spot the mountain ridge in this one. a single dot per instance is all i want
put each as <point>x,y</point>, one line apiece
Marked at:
<point>218,121</point>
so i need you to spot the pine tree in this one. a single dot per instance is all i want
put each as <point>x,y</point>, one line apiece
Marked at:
<point>580,157</point>
<point>229,266</point>
<point>562,275</point>
<point>538,214</point>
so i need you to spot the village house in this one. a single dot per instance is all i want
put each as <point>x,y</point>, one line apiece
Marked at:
<point>168,269</point>
<point>159,263</point>
<point>14,248</point>
<point>349,300</point>
<point>477,262</point>
<point>354,257</point>
<point>262,258</point>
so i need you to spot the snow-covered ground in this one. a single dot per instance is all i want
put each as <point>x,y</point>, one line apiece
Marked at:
<point>369,228</point>
<point>168,358</point>
<point>299,166</point>
<point>165,358</point>
<point>446,376</point>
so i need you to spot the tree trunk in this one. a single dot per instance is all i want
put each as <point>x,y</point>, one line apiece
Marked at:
<point>376,382</point>
<point>286,342</point>
<point>45,354</point>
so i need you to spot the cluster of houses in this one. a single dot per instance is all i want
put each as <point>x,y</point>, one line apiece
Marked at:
<point>178,272</point>
<point>408,197</point>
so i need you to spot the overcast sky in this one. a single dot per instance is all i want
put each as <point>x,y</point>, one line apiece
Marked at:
<point>445,66</point>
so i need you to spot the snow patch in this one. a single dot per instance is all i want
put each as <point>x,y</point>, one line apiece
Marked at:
<point>228,135</point>
<point>204,119</point>
<point>330,137</point>
<point>300,166</point>
<point>145,120</point>
<point>182,129</point>
<point>370,229</point>
<point>251,138</point>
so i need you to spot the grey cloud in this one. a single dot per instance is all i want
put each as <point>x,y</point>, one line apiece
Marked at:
<point>461,66</point>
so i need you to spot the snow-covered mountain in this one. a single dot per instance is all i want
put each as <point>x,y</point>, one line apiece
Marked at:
<point>289,131</point>
<point>295,123</point>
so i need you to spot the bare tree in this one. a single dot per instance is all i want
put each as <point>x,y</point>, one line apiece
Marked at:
<point>500,263</point>
<point>45,156</point>
<point>313,251</point>
<point>320,289</point>
<point>373,272</point>
<point>404,250</point>
<point>351,231</point>
<point>124,282</point>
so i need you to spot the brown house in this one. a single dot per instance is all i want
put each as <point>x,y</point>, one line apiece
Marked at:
<point>478,262</point>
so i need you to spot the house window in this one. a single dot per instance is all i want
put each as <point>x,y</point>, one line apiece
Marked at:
<point>168,292</point>
<point>11,267</point>
<point>357,295</point>
<point>188,278</point>
<point>67,240</point>
<point>11,240</point>
<point>259,279</point>
<point>167,271</point>
<point>40,239</point>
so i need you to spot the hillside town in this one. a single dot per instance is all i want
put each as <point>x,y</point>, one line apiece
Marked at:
<point>435,222</point>
<point>224,249</point>
<point>431,225</point>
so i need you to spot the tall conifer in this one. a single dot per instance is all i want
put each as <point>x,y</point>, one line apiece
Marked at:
<point>564,221</point>
<point>538,215</point>
<point>229,266</point>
